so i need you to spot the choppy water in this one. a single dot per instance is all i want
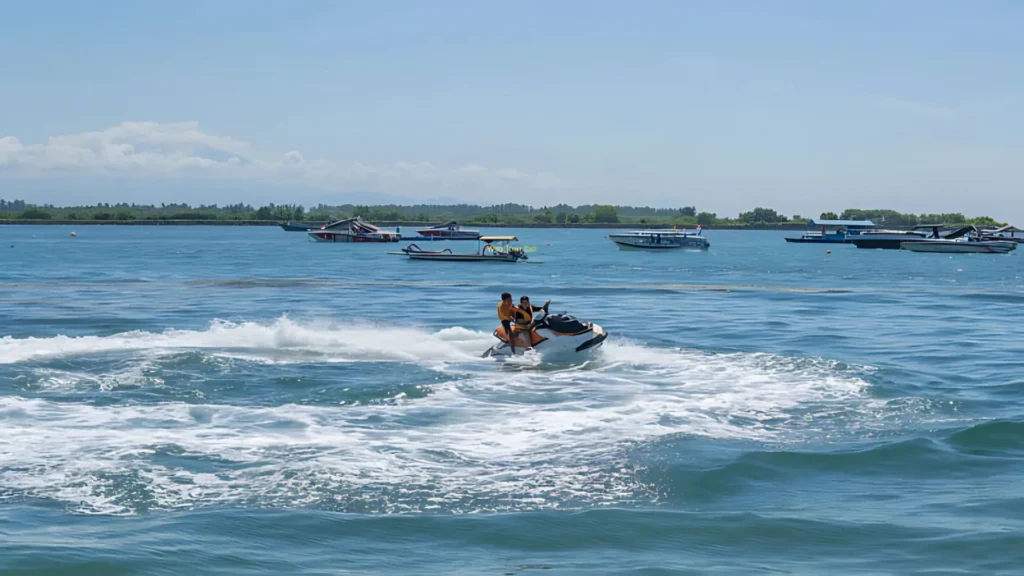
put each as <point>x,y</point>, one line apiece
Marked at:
<point>239,400</point>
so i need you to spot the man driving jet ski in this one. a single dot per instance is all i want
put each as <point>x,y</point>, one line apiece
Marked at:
<point>506,314</point>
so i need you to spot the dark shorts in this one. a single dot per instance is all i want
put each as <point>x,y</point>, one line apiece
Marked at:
<point>508,329</point>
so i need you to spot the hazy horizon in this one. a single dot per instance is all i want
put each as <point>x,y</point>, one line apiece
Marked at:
<point>797,106</point>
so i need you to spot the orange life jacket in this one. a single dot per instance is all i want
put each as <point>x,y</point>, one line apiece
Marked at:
<point>506,311</point>
<point>524,315</point>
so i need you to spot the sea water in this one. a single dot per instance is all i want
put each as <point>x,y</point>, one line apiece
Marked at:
<point>214,400</point>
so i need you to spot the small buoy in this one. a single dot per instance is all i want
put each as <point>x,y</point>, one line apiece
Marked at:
<point>73,234</point>
<point>828,251</point>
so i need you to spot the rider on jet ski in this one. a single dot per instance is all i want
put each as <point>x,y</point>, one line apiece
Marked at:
<point>524,319</point>
<point>506,314</point>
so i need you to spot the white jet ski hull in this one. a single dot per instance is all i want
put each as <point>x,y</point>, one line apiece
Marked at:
<point>554,343</point>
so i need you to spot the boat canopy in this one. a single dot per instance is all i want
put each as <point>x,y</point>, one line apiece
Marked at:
<point>1005,229</point>
<point>498,238</point>
<point>452,224</point>
<point>952,234</point>
<point>357,225</point>
<point>960,232</point>
<point>653,231</point>
<point>843,223</point>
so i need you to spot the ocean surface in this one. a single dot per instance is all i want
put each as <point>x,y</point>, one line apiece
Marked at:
<point>206,400</point>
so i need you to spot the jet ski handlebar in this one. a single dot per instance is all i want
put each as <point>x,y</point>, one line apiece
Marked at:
<point>539,318</point>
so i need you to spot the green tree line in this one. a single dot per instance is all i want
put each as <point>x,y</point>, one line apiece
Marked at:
<point>894,218</point>
<point>508,214</point>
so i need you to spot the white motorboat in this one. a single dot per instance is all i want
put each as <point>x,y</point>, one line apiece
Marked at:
<point>886,239</point>
<point>895,239</point>
<point>554,335</point>
<point>448,231</point>
<point>352,230</point>
<point>660,240</point>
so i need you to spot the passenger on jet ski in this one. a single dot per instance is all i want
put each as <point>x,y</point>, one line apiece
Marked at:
<point>524,319</point>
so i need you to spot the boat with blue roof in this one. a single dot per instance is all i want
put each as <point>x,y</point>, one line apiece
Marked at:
<point>832,231</point>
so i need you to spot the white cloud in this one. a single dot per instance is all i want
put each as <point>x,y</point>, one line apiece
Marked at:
<point>181,148</point>
<point>144,146</point>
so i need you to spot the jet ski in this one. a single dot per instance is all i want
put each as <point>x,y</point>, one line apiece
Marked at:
<point>551,334</point>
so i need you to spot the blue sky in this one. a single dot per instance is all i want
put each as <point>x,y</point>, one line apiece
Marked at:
<point>801,106</point>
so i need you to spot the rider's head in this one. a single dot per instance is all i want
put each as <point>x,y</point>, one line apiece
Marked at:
<point>506,297</point>
<point>524,301</point>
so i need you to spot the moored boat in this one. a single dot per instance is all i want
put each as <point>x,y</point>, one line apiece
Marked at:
<point>492,249</point>
<point>659,240</point>
<point>448,231</point>
<point>352,230</point>
<point>301,227</point>
<point>1003,234</point>
<point>893,239</point>
<point>832,231</point>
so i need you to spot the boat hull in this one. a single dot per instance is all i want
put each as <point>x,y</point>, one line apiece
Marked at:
<point>461,257</point>
<point>822,240</point>
<point>881,243</point>
<point>551,344</point>
<point>437,238</point>
<point>960,247</point>
<point>445,235</point>
<point>695,243</point>
<point>344,237</point>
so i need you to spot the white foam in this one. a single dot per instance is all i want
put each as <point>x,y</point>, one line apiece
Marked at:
<point>275,342</point>
<point>498,438</point>
<point>135,374</point>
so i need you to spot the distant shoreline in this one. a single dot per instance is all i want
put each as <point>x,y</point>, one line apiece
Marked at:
<point>594,226</point>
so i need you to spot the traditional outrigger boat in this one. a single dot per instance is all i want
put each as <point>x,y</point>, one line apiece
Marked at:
<point>491,249</point>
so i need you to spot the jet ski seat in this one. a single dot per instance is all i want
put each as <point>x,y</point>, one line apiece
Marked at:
<point>565,324</point>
